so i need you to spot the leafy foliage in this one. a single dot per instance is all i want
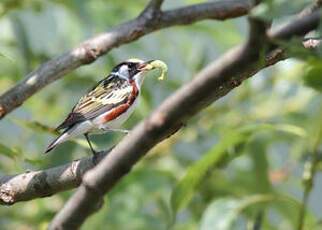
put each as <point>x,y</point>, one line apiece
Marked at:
<point>183,192</point>
<point>223,212</point>
<point>312,75</point>
<point>9,152</point>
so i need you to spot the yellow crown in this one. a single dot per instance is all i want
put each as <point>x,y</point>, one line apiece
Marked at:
<point>134,60</point>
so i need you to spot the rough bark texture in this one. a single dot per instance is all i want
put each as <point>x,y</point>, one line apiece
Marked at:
<point>36,184</point>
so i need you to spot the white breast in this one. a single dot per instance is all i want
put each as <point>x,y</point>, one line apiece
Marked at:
<point>114,124</point>
<point>117,122</point>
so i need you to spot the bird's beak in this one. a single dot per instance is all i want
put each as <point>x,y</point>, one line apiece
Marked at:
<point>146,66</point>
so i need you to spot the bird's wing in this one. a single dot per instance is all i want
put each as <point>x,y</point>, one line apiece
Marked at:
<point>107,94</point>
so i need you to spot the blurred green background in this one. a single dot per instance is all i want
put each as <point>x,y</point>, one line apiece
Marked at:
<point>238,161</point>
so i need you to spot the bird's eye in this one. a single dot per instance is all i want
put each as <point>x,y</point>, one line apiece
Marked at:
<point>132,65</point>
<point>133,69</point>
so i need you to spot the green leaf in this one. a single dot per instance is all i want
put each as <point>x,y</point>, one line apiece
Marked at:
<point>269,10</point>
<point>9,152</point>
<point>312,75</point>
<point>35,161</point>
<point>185,189</point>
<point>6,57</point>
<point>35,126</point>
<point>41,128</point>
<point>289,207</point>
<point>221,213</point>
<point>287,128</point>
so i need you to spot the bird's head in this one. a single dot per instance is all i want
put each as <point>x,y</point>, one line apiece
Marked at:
<point>135,69</point>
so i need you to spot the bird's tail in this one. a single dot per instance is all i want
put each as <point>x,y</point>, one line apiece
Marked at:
<point>60,139</point>
<point>69,133</point>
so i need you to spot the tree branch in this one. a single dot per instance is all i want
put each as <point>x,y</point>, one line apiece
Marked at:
<point>295,28</point>
<point>151,19</point>
<point>310,168</point>
<point>311,8</point>
<point>36,184</point>
<point>213,82</point>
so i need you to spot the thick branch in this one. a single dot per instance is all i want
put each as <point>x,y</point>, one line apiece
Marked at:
<point>213,82</point>
<point>296,27</point>
<point>35,184</point>
<point>311,8</point>
<point>150,20</point>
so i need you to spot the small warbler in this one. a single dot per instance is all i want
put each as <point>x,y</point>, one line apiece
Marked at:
<point>109,103</point>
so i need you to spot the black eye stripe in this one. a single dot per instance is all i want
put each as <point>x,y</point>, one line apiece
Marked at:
<point>131,65</point>
<point>132,69</point>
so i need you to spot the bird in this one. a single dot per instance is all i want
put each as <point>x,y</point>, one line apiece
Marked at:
<point>108,104</point>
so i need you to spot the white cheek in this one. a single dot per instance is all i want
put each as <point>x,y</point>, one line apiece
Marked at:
<point>139,79</point>
<point>124,71</point>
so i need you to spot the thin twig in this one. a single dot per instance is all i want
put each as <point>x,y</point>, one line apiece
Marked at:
<point>308,178</point>
<point>258,221</point>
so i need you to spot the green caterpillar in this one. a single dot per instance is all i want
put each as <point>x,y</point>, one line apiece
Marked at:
<point>162,67</point>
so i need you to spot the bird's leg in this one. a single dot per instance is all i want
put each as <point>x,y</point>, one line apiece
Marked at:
<point>116,130</point>
<point>90,144</point>
<point>95,154</point>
